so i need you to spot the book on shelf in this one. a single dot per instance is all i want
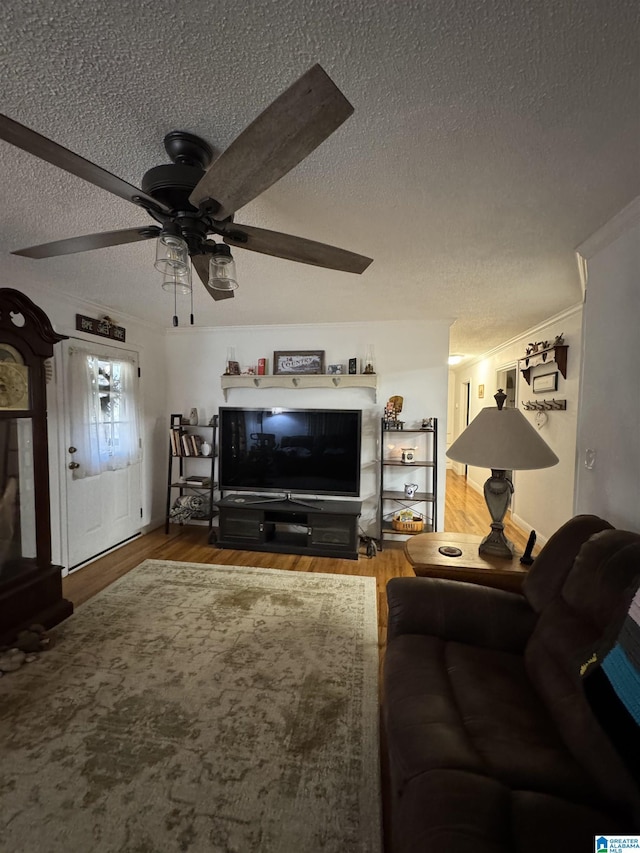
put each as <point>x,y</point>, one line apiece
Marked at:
<point>184,443</point>
<point>198,481</point>
<point>174,435</point>
<point>196,441</point>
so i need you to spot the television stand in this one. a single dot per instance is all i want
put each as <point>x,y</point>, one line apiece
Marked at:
<point>287,526</point>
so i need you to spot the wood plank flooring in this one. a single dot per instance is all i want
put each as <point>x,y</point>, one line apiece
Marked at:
<point>465,510</point>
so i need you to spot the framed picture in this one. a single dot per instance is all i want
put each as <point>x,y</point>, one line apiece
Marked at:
<point>335,369</point>
<point>545,383</point>
<point>290,362</point>
<point>480,391</point>
<point>353,365</point>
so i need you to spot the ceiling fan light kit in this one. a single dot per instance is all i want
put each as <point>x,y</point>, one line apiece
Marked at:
<point>196,196</point>
<point>222,269</point>
<point>172,253</point>
<point>173,281</point>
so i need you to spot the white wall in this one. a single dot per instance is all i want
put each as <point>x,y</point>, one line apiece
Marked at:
<point>410,360</point>
<point>542,500</point>
<point>148,342</point>
<point>609,420</point>
<point>181,368</point>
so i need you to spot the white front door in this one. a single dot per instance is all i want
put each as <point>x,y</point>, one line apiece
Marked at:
<point>103,493</point>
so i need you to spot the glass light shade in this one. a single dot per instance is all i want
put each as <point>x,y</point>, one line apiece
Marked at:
<point>175,282</point>
<point>368,360</point>
<point>172,254</point>
<point>222,272</point>
<point>231,356</point>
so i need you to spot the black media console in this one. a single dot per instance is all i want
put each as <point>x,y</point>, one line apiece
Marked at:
<point>286,526</point>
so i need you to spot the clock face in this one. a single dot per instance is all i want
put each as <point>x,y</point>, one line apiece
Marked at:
<point>14,386</point>
<point>14,379</point>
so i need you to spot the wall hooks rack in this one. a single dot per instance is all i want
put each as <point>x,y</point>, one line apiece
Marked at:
<point>545,405</point>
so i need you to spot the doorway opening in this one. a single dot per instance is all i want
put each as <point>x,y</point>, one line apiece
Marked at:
<point>506,379</point>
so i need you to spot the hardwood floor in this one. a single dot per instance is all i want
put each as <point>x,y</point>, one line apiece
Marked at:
<point>465,510</point>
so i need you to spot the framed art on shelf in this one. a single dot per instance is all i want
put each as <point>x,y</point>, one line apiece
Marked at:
<point>290,362</point>
<point>545,383</point>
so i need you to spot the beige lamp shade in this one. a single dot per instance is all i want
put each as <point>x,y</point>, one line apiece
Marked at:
<point>502,439</point>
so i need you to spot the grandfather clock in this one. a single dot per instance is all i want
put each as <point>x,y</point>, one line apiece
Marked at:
<point>30,586</point>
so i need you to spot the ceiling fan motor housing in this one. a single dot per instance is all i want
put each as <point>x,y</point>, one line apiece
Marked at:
<point>173,183</point>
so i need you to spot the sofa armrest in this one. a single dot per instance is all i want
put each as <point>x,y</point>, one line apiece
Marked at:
<point>463,612</point>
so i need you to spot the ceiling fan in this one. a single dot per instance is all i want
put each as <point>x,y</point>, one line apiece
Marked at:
<point>199,196</point>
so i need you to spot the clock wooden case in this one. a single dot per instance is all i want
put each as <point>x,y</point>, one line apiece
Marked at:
<point>30,585</point>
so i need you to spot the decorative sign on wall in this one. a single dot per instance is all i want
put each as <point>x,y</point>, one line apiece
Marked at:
<point>103,327</point>
<point>298,361</point>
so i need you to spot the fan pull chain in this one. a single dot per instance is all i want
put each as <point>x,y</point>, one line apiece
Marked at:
<point>175,304</point>
<point>191,304</point>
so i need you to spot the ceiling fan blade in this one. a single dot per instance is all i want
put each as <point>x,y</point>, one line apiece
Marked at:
<point>201,264</point>
<point>88,242</point>
<point>28,140</point>
<point>277,140</point>
<point>295,248</point>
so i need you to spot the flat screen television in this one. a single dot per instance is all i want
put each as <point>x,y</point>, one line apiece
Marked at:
<point>291,451</point>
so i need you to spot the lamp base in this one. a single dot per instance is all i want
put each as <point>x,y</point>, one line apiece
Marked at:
<point>497,493</point>
<point>496,543</point>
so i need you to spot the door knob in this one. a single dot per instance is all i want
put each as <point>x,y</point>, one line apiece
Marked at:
<point>72,449</point>
<point>73,465</point>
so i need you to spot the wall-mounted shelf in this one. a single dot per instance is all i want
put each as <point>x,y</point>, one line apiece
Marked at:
<point>557,354</point>
<point>360,380</point>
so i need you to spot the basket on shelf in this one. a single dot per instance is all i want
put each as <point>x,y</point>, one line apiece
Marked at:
<point>415,525</point>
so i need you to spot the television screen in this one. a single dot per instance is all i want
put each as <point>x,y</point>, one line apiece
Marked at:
<point>302,451</point>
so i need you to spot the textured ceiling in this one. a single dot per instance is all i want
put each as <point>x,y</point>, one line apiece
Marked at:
<point>489,139</point>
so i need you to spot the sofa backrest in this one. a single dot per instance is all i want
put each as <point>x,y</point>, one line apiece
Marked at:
<point>591,604</point>
<point>552,566</point>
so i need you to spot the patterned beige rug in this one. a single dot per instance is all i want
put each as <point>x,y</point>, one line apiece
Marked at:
<point>193,707</point>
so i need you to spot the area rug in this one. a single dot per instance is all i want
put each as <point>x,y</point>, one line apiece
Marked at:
<point>193,707</point>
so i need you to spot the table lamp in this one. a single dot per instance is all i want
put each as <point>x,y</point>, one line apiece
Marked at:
<point>503,440</point>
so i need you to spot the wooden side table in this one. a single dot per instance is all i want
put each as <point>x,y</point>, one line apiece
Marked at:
<point>472,567</point>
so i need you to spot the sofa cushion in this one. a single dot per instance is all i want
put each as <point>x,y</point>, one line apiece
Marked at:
<point>456,706</point>
<point>453,811</point>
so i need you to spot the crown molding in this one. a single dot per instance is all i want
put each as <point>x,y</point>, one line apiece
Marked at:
<point>528,334</point>
<point>611,230</point>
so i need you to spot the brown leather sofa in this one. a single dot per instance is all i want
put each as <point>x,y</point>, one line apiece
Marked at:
<point>491,741</point>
